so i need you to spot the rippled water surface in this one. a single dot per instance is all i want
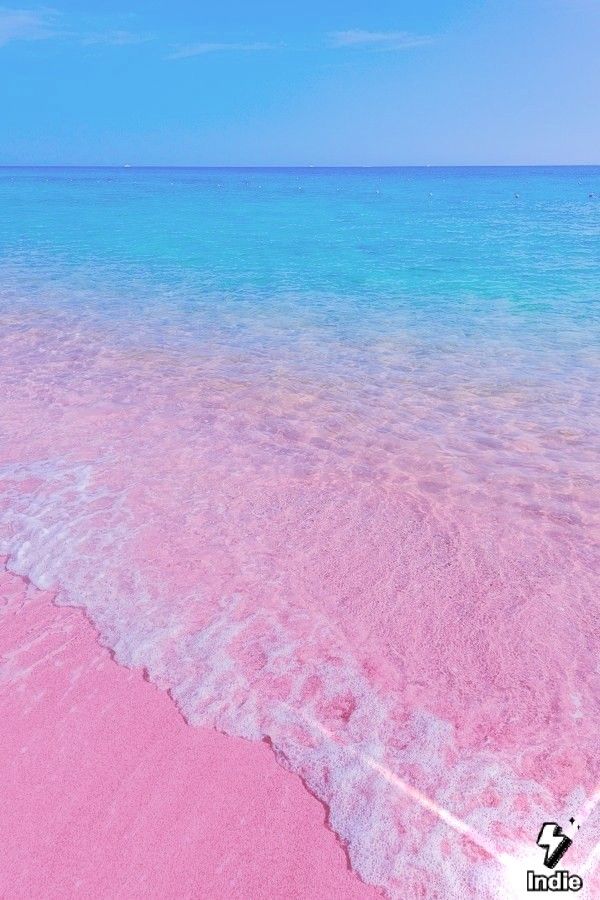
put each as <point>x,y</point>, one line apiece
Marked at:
<point>319,450</point>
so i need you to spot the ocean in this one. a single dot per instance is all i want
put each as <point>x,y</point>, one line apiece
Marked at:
<point>318,450</point>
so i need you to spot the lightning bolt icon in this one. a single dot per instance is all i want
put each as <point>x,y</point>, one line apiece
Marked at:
<point>554,841</point>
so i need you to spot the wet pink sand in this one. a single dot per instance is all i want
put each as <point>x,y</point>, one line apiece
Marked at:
<point>107,792</point>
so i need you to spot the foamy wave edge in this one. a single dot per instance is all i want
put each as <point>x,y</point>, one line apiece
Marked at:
<point>285,676</point>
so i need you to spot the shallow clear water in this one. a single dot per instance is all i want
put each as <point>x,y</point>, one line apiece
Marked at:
<point>319,450</point>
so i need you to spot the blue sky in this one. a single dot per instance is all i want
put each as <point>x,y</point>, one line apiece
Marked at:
<point>321,82</point>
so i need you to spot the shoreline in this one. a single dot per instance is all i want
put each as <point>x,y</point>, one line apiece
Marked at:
<point>109,792</point>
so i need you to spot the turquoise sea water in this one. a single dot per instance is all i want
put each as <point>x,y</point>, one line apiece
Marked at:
<point>525,236</point>
<point>507,255</point>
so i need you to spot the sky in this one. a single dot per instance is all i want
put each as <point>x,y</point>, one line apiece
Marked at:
<point>322,82</point>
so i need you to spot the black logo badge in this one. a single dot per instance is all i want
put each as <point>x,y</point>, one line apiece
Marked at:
<point>554,841</point>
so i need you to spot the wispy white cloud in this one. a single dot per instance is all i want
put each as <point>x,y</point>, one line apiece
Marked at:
<point>202,48</point>
<point>379,40</point>
<point>26,24</point>
<point>115,38</point>
<point>44,23</point>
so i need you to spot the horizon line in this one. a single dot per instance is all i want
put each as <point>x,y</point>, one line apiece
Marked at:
<point>302,166</point>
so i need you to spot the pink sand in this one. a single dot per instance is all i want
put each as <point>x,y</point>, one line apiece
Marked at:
<point>107,792</point>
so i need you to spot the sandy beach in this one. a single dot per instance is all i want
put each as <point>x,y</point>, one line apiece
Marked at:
<point>107,792</point>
